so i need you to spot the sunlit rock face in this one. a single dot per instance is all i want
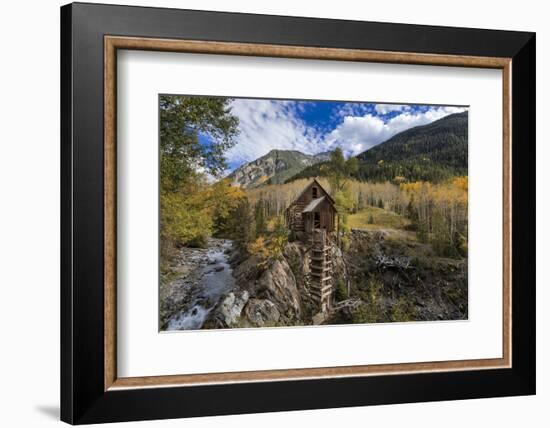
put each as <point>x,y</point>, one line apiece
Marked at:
<point>274,168</point>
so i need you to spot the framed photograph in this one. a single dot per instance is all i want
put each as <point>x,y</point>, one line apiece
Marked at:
<point>266,213</point>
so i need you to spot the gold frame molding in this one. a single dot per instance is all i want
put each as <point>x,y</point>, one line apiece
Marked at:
<point>113,43</point>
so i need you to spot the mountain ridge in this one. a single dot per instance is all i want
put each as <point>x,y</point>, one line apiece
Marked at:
<point>432,152</point>
<point>275,167</point>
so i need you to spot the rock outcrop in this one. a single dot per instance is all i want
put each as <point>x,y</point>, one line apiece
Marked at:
<point>230,308</point>
<point>277,284</point>
<point>266,294</point>
<point>273,292</point>
<point>261,313</point>
<point>275,167</point>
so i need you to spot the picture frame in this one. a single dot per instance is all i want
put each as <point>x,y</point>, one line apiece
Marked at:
<point>91,391</point>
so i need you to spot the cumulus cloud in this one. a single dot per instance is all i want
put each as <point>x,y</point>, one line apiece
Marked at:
<point>357,134</point>
<point>352,109</point>
<point>266,125</point>
<point>272,124</point>
<point>388,108</point>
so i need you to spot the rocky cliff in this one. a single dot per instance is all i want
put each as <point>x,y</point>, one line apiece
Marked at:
<point>274,168</point>
<point>275,293</point>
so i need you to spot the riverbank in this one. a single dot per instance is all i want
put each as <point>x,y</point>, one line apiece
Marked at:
<point>384,275</point>
<point>197,278</point>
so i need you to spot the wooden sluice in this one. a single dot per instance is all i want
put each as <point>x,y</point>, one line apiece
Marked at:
<point>321,270</point>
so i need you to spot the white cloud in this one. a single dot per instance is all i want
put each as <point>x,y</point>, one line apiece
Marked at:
<point>357,134</point>
<point>266,125</point>
<point>351,109</point>
<point>388,108</point>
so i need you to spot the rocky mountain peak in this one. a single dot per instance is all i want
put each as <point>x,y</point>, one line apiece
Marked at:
<point>274,167</point>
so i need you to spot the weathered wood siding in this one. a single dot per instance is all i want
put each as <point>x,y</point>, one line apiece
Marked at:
<point>305,222</point>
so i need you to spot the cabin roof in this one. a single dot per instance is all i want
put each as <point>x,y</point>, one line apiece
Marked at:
<point>318,185</point>
<point>313,204</point>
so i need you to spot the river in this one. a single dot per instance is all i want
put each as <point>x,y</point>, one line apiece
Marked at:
<point>213,280</point>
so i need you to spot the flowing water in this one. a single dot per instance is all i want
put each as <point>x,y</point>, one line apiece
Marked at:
<point>215,280</point>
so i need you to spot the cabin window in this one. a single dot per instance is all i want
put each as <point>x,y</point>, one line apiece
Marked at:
<point>314,193</point>
<point>316,220</point>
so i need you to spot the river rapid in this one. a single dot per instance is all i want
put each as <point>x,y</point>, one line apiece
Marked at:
<point>212,278</point>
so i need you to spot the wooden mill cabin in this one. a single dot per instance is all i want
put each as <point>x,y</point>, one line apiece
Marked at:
<point>313,209</point>
<point>313,215</point>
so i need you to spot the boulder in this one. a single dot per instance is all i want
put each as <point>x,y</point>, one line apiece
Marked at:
<point>319,318</point>
<point>230,308</point>
<point>261,312</point>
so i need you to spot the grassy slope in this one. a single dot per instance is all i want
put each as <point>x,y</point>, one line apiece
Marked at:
<point>432,288</point>
<point>382,219</point>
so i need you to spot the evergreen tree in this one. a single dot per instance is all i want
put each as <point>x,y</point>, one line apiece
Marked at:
<point>242,224</point>
<point>340,171</point>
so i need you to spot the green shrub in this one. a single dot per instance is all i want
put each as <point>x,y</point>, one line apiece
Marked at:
<point>365,315</point>
<point>403,311</point>
<point>344,242</point>
<point>341,290</point>
<point>372,310</point>
<point>374,290</point>
<point>279,238</point>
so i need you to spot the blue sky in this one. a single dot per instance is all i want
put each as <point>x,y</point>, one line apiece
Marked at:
<point>318,126</point>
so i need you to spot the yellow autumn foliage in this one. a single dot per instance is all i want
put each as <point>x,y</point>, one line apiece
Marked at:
<point>440,210</point>
<point>273,246</point>
<point>441,213</point>
<point>259,248</point>
<point>187,216</point>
